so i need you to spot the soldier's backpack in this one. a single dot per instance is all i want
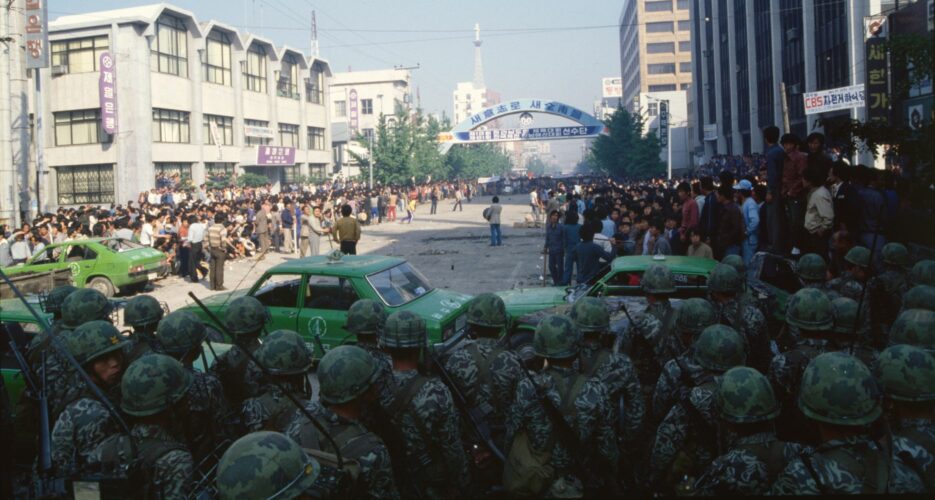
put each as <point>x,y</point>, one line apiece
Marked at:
<point>354,441</point>
<point>528,472</point>
<point>126,468</point>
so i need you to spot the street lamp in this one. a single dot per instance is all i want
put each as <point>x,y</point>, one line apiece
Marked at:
<point>665,102</point>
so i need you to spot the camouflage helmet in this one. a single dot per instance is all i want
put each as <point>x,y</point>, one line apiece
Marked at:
<point>895,254</point>
<point>810,309</point>
<point>487,310</point>
<point>345,373</point>
<point>152,384</point>
<point>556,337</point>
<point>180,332</point>
<point>907,373</point>
<point>914,327</point>
<point>265,465</point>
<point>590,315</point>
<point>284,353</point>
<point>657,279</point>
<point>86,304</point>
<point>923,273</point>
<point>839,389</point>
<point>141,311</point>
<point>725,279</point>
<point>720,348</point>
<point>844,311</point>
<point>403,330</point>
<point>920,297</point>
<point>365,317</point>
<point>735,261</point>
<point>694,315</point>
<point>93,340</point>
<point>858,256</point>
<point>246,315</point>
<point>811,267</point>
<point>55,298</point>
<point>745,396</point>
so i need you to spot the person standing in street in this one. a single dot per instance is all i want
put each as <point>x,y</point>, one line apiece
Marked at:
<point>494,219</point>
<point>554,246</point>
<point>263,223</point>
<point>434,196</point>
<point>196,235</point>
<point>819,214</point>
<point>534,203</point>
<point>730,229</point>
<point>793,189</point>
<point>458,198</point>
<point>305,231</point>
<point>217,241</point>
<point>318,231</point>
<point>347,231</point>
<point>751,220</point>
<point>288,227</point>
<point>775,158</point>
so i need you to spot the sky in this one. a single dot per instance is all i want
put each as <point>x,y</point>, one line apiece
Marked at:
<point>550,49</point>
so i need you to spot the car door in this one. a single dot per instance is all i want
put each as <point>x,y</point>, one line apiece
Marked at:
<point>324,311</point>
<point>47,260</point>
<point>81,259</point>
<point>280,294</point>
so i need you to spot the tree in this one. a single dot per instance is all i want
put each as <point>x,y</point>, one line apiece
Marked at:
<point>469,161</point>
<point>625,151</point>
<point>536,166</point>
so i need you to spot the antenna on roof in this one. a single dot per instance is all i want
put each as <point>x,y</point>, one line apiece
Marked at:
<point>314,36</point>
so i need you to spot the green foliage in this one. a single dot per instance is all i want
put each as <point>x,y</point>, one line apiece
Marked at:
<point>470,161</point>
<point>536,166</point>
<point>219,181</point>
<point>252,180</point>
<point>625,151</point>
<point>911,50</point>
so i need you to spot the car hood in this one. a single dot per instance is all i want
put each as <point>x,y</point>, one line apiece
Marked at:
<point>616,305</point>
<point>533,296</point>
<point>438,304</point>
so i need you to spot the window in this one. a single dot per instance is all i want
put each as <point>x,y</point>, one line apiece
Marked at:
<point>279,290</point>
<point>658,6</point>
<point>685,86</point>
<point>685,46</point>
<point>366,106</point>
<point>79,56</point>
<point>288,135</point>
<point>367,133</point>
<point>685,25</point>
<point>218,59</point>
<point>288,84</point>
<point>660,69</point>
<point>399,285</point>
<point>170,54</point>
<point>315,88</point>
<point>224,127</point>
<point>659,27</point>
<point>316,138</point>
<point>317,170</point>
<point>250,140</point>
<point>685,67</point>
<point>178,172</point>
<point>652,108</point>
<point>340,109</point>
<point>170,126</point>
<point>85,184</point>
<point>218,169</point>
<point>662,88</point>
<point>291,173</point>
<point>254,70</point>
<point>79,127</point>
<point>660,48</point>
<point>330,292</point>
<point>682,4</point>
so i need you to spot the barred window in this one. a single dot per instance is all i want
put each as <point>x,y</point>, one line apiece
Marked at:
<point>315,89</point>
<point>79,127</point>
<point>291,173</point>
<point>168,170</point>
<point>81,184</point>
<point>170,126</point>
<point>254,70</point>
<point>256,141</point>
<point>225,130</point>
<point>340,109</point>
<point>80,55</point>
<point>219,168</point>
<point>170,52</point>
<point>316,138</point>
<point>218,59</point>
<point>288,84</point>
<point>288,135</point>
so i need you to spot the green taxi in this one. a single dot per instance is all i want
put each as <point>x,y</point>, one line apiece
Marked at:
<point>311,296</point>
<point>105,264</point>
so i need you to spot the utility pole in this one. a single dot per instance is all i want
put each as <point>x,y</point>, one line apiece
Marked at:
<point>785,108</point>
<point>7,174</point>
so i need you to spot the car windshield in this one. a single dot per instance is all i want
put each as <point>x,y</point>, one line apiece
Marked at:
<point>121,245</point>
<point>399,285</point>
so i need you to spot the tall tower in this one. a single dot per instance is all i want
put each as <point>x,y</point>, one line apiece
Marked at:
<point>478,64</point>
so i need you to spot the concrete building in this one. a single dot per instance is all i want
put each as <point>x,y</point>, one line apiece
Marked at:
<point>193,99</point>
<point>655,53</point>
<point>677,137</point>
<point>743,50</point>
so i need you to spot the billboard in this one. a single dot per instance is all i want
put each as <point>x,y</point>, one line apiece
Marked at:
<point>107,92</point>
<point>37,33</point>
<point>272,156</point>
<point>834,99</point>
<point>612,87</point>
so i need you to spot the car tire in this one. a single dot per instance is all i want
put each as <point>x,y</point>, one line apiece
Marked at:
<point>102,285</point>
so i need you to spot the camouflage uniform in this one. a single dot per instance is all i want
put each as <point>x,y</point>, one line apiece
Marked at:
<point>915,327</point>
<point>365,319</point>
<point>845,316</point>
<point>245,320</point>
<point>923,273</point>
<point>285,356</point>
<point>919,297</point>
<point>743,317</point>
<point>649,340</point>
<point>170,475</point>
<point>142,313</point>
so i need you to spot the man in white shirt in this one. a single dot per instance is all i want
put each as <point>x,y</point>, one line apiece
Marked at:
<point>534,203</point>
<point>146,232</point>
<point>196,236</point>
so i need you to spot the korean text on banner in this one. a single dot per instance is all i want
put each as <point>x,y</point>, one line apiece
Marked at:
<point>107,89</point>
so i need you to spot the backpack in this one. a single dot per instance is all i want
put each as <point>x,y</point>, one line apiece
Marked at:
<point>487,213</point>
<point>120,478</point>
<point>528,472</point>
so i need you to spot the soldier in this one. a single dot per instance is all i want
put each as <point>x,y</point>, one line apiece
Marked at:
<point>746,296</point>
<point>52,305</point>
<point>347,376</point>
<point>923,273</point>
<point>286,360</point>
<point>919,297</point>
<point>845,334</point>
<point>365,319</point>
<point>915,327</point>
<point>597,359</point>
<point>812,271</point>
<point>84,422</point>
<point>810,311</point>
<point>646,341</point>
<point>155,463</point>
<point>142,313</point>
<point>725,287</point>
<point>886,290</point>
<point>689,437</point>
<point>483,369</point>
<point>840,397</point>
<point>180,335</point>
<point>422,409</point>
<point>694,315</point>
<point>265,465</point>
<point>246,317</point>
<point>851,284</point>
<point>747,406</point>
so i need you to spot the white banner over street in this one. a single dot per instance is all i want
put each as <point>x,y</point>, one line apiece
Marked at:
<point>834,99</point>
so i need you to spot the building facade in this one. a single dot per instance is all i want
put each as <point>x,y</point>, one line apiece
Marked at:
<point>676,140</point>
<point>655,47</point>
<point>194,100</point>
